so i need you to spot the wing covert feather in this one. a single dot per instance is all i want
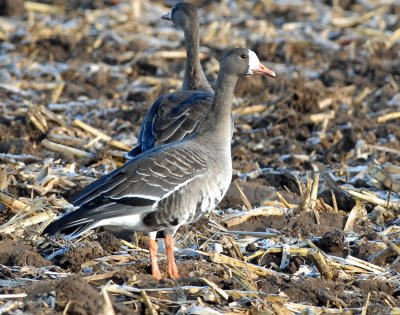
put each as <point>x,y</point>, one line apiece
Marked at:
<point>172,118</point>
<point>149,177</point>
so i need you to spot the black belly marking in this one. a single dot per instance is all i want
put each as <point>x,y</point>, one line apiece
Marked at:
<point>174,222</point>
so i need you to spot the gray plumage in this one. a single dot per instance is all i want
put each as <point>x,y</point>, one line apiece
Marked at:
<point>172,184</point>
<point>184,15</point>
<point>149,193</point>
<point>175,116</point>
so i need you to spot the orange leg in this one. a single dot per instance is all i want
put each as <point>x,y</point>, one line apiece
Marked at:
<point>169,248</point>
<point>153,248</point>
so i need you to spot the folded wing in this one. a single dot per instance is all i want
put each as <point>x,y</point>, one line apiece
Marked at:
<point>134,189</point>
<point>172,118</point>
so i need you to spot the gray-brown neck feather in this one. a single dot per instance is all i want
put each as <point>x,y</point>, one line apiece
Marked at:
<point>194,78</point>
<point>219,120</point>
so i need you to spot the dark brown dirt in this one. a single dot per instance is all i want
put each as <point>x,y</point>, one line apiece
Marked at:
<point>332,241</point>
<point>79,297</point>
<point>16,253</point>
<point>323,293</point>
<point>108,242</point>
<point>343,201</point>
<point>254,192</point>
<point>75,257</point>
<point>302,224</point>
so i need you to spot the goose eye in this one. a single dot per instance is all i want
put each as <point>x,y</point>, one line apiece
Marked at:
<point>243,56</point>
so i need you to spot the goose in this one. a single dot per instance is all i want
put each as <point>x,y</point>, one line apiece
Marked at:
<point>175,116</point>
<point>169,185</point>
<point>184,16</point>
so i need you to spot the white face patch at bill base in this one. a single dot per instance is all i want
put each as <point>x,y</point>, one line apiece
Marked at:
<point>254,62</point>
<point>167,16</point>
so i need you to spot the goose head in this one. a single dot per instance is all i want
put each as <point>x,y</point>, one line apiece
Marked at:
<point>183,15</point>
<point>243,61</point>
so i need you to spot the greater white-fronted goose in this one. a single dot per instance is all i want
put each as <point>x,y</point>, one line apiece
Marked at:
<point>175,116</point>
<point>184,16</point>
<point>172,184</point>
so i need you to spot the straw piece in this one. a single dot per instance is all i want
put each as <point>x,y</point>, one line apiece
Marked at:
<point>251,233</point>
<point>3,178</point>
<point>382,255</point>
<point>67,106</point>
<point>334,202</point>
<point>222,259</point>
<point>14,204</point>
<point>244,198</point>
<point>353,216</point>
<point>351,21</point>
<point>326,102</point>
<point>159,81</point>
<point>8,307</point>
<point>293,251</point>
<point>13,296</point>
<point>320,117</point>
<point>216,288</point>
<point>393,39</point>
<point>36,219</point>
<point>43,8</point>
<point>52,146</point>
<point>66,140</point>
<point>391,116</point>
<point>365,307</point>
<point>305,197</point>
<point>7,157</point>
<point>193,290</point>
<point>381,175</point>
<point>364,265</point>
<point>108,307</point>
<point>393,247</point>
<point>130,245</point>
<point>285,203</point>
<point>57,92</point>
<point>321,264</point>
<point>297,307</point>
<point>374,200</point>
<point>149,306</point>
<point>244,279</point>
<point>236,248</point>
<point>243,216</point>
<point>38,120</point>
<point>102,276</point>
<point>382,149</point>
<point>101,135</point>
<point>365,92</point>
<point>314,190</point>
<point>285,261</point>
<point>249,110</point>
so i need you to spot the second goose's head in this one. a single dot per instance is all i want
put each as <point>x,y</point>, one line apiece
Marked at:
<point>183,15</point>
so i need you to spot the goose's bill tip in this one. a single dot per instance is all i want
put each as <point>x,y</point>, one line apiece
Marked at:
<point>261,69</point>
<point>167,16</point>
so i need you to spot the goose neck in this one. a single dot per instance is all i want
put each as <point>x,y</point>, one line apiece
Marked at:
<point>222,103</point>
<point>194,78</point>
<point>218,128</point>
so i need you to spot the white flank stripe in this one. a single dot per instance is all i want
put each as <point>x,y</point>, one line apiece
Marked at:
<point>133,221</point>
<point>176,188</point>
<point>155,198</point>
